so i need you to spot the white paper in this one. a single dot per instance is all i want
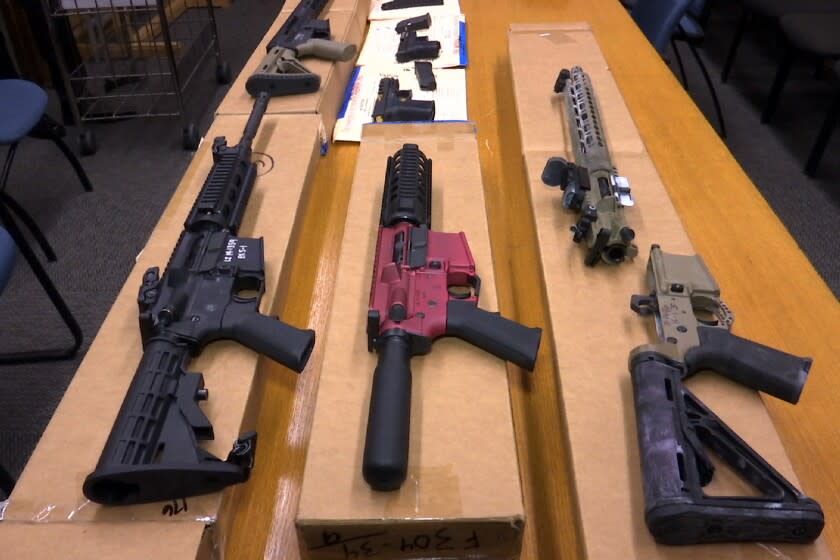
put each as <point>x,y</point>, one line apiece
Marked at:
<point>449,7</point>
<point>450,97</point>
<point>382,42</point>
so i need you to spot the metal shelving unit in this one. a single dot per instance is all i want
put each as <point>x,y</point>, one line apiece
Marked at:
<point>134,58</point>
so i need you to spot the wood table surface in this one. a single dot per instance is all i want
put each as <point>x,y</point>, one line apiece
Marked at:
<point>776,294</point>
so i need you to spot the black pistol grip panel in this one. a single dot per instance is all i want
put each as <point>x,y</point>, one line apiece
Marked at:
<point>279,341</point>
<point>677,512</point>
<point>749,363</point>
<point>493,333</point>
<point>152,452</point>
<point>385,463</point>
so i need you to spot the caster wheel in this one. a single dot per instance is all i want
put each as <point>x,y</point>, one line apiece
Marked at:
<point>223,73</point>
<point>87,142</point>
<point>190,137</point>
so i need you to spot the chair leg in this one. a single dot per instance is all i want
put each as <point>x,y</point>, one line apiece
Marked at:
<point>712,91</point>
<point>74,161</point>
<point>680,64</point>
<point>823,137</point>
<point>50,129</point>
<point>30,224</point>
<point>778,83</point>
<point>55,298</point>
<point>733,48</point>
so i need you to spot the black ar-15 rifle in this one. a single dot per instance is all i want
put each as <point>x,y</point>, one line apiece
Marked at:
<point>303,34</point>
<point>210,290</point>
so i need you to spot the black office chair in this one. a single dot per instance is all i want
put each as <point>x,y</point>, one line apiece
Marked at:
<point>22,114</point>
<point>825,131</point>
<point>773,9</point>
<point>812,35</point>
<point>662,23</point>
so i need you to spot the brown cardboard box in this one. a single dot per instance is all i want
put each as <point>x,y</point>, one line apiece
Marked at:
<point>462,494</point>
<point>595,329</point>
<point>325,102</point>
<point>47,510</point>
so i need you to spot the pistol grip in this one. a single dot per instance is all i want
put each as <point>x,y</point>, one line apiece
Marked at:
<point>749,363</point>
<point>326,49</point>
<point>493,333</point>
<point>385,463</point>
<point>279,341</point>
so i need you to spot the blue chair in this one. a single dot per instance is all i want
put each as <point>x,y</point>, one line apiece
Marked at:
<point>22,106</point>
<point>666,22</point>
<point>11,241</point>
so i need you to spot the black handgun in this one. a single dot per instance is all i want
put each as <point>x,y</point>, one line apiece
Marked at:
<point>303,34</point>
<point>412,47</point>
<point>393,104</point>
<point>414,24</point>
<point>673,425</point>
<point>211,290</point>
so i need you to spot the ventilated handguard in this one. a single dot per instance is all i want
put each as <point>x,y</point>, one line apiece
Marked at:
<point>395,105</point>
<point>674,427</point>
<point>153,451</point>
<point>424,286</point>
<point>590,184</point>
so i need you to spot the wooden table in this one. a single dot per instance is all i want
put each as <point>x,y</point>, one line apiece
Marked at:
<point>778,297</point>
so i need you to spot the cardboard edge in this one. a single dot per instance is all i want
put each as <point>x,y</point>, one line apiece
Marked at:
<point>509,532</point>
<point>232,497</point>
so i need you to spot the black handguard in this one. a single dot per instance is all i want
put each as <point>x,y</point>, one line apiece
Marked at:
<point>673,425</point>
<point>395,105</point>
<point>152,452</point>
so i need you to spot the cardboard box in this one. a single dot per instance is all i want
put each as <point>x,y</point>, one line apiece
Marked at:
<point>592,354</point>
<point>48,500</point>
<point>463,493</point>
<point>326,102</point>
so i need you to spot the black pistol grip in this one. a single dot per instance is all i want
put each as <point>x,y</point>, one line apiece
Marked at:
<point>385,463</point>
<point>152,452</point>
<point>493,333</point>
<point>279,341</point>
<point>749,363</point>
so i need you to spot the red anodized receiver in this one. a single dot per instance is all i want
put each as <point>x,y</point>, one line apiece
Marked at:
<point>414,298</point>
